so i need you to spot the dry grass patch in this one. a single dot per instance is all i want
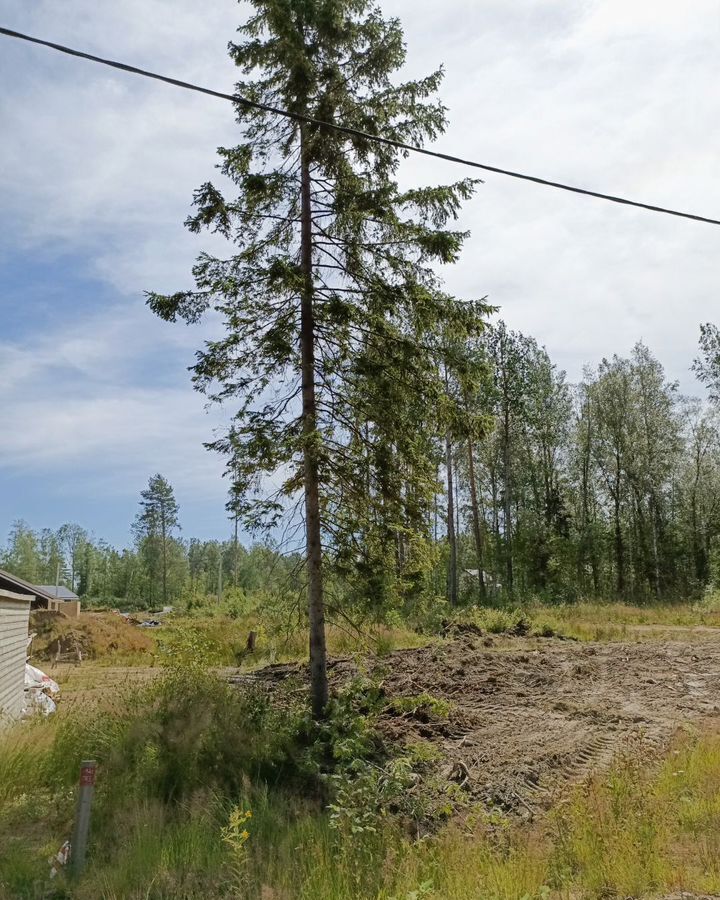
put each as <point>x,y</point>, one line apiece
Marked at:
<point>98,636</point>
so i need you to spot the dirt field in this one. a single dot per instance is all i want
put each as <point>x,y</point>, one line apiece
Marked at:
<point>529,717</point>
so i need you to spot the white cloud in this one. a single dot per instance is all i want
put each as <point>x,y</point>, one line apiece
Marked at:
<point>623,20</point>
<point>590,93</point>
<point>103,162</point>
<point>79,410</point>
<point>616,95</point>
<point>609,95</point>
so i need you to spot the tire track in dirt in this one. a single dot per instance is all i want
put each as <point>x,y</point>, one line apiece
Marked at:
<point>539,716</point>
<point>531,717</point>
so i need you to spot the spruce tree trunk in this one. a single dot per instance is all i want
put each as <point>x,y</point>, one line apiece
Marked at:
<point>316,605</point>
<point>477,529</point>
<point>452,541</point>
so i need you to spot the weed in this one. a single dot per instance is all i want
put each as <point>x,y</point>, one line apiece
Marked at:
<point>236,835</point>
<point>423,706</point>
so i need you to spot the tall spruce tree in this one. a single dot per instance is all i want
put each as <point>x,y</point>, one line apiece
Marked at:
<point>330,299</point>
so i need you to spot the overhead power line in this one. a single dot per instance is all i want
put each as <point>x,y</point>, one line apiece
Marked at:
<point>354,132</point>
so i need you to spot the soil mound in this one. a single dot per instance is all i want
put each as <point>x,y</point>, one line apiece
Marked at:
<point>91,636</point>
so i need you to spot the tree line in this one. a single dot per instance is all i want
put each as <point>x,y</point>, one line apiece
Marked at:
<point>159,568</point>
<point>607,489</point>
<point>604,489</point>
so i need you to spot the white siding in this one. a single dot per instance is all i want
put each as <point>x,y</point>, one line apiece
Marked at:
<point>14,615</point>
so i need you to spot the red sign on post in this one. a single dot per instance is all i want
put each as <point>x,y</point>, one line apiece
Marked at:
<point>87,776</point>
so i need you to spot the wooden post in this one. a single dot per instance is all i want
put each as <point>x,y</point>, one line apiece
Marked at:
<point>78,845</point>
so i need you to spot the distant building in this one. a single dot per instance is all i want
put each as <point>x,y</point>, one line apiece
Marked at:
<point>42,596</point>
<point>488,579</point>
<point>70,604</point>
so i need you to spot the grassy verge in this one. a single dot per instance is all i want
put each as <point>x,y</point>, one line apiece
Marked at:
<point>623,615</point>
<point>205,791</point>
<point>106,639</point>
<point>593,621</point>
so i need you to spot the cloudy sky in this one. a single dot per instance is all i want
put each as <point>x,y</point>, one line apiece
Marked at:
<point>97,171</point>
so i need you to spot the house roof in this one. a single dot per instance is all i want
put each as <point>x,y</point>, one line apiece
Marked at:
<point>58,592</point>
<point>20,586</point>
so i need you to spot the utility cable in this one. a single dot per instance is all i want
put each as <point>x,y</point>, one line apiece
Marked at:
<point>354,132</point>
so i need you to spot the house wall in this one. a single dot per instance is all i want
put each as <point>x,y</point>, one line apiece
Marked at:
<point>42,603</point>
<point>14,616</point>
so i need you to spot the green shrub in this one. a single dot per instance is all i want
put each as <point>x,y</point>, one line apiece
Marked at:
<point>425,705</point>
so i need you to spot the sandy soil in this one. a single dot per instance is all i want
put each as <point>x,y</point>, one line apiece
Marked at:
<point>530,717</point>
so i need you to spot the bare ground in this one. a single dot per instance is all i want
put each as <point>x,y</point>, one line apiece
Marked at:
<point>531,717</point>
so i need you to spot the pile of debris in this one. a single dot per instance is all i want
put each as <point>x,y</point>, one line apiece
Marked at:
<point>41,691</point>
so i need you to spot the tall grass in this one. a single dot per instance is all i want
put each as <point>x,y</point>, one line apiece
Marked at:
<point>664,615</point>
<point>186,756</point>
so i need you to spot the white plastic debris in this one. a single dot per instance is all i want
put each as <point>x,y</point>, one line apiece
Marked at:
<point>39,701</point>
<point>35,678</point>
<point>60,859</point>
<point>40,689</point>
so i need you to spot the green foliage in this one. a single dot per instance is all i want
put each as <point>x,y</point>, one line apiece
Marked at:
<point>516,621</point>
<point>378,326</point>
<point>707,366</point>
<point>606,490</point>
<point>47,557</point>
<point>187,649</point>
<point>153,528</point>
<point>435,708</point>
<point>371,783</point>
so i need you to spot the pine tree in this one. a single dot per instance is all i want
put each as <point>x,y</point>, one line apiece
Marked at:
<point>330,300</point>
<point>156,521</point>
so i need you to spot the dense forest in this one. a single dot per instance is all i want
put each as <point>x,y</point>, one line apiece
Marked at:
<point>606,489</point>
